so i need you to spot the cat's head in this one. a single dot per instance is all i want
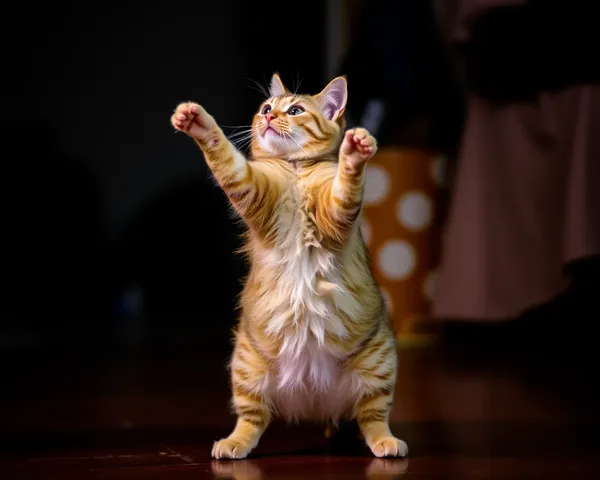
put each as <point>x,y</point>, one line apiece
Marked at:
<point>293,126</point>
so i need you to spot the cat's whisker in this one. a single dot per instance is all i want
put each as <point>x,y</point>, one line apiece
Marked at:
<point>259,88</point>
<point>239,141</point>
<point>246,129</point>
<point>235,126</point>
<point>294,140</point>
<point>249,136</point>
<point>285,140</point>
<point>237,134</point>
<point>239,131</point>
<point>289,134</point>
<point>243,142</point>
<point>299,82</point>
<point>259,91</point>
<point>240,136</point>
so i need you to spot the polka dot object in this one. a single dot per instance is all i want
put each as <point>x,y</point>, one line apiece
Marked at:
<point>403,230</point>
<point>429,285</point>
<point>365,228</point>
<point>414,210</point>
<point>397,259</point>
<point>377,185</point>
<point>438,170</point>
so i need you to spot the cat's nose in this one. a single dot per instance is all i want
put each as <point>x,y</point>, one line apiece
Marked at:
<point>269,117</point>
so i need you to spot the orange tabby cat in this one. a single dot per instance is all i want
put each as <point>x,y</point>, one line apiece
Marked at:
<point>313,341</point>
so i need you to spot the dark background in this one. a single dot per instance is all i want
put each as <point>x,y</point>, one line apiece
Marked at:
<point>100,196</point>
<point>113,230</point>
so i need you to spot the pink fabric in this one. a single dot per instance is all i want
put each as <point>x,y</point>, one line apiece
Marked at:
<point>526,198</point>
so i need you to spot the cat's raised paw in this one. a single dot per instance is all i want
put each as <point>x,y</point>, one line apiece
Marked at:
<point>230,448</point>
<point>194,120</point>
<point>389,447</point>
<point>358,146</point>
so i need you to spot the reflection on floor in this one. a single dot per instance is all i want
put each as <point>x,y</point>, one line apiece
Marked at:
<point>468,409</point>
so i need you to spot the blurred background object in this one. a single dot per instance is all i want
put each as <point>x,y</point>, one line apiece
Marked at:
<point>523,231</point>
<point>403,206</point>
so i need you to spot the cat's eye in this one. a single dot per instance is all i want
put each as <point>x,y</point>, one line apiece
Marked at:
<point>295,110</point>
<point>266,109</point>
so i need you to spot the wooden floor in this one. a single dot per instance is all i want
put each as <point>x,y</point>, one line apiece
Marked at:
<point>468,410</point>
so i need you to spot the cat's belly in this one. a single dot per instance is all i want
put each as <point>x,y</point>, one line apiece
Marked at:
<point>312,386</point>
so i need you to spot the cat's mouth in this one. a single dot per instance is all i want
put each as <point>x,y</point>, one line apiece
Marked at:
<point>270,131</point>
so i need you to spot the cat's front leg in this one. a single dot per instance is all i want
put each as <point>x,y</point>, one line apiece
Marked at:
<point>252,192</point>
<point>248,375</point>
<point>241,441</point>
<point>357,148</point>
<point>228,165</point>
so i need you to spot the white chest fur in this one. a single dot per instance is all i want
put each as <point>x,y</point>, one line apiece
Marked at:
<point>308,292</point>
<point>306,306</point>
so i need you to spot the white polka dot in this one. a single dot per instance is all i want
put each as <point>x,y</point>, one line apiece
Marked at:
<point>387,298</point>
<point>429,285</point>
<point>365,228</point>
<point>437,170</point>
<point>397,259</point>
<point>377,185</point>
<point>414,210</point>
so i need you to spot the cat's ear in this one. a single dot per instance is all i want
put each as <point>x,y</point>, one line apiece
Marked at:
<point>277,87</point>
<point>332,99</point>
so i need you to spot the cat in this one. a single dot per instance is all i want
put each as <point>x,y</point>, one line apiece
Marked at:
<point>313,341</point>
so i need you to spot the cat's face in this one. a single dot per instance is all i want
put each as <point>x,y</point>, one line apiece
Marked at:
<point>292,127</point>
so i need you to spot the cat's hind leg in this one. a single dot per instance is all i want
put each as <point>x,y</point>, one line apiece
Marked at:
<point>376,366</point>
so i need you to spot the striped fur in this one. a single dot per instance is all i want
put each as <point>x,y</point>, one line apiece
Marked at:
<point>313,341</point>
